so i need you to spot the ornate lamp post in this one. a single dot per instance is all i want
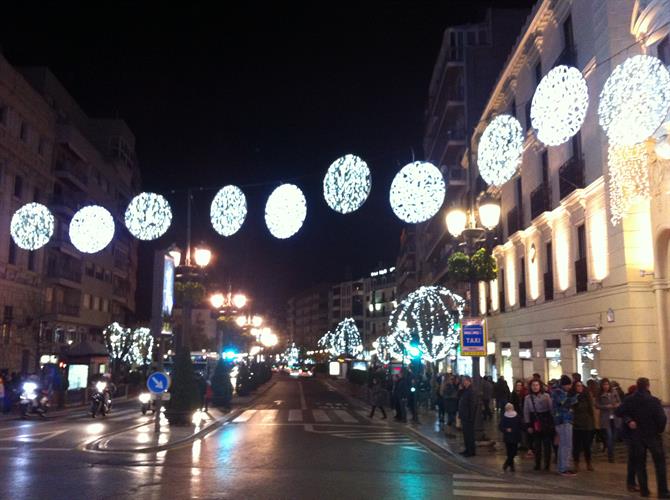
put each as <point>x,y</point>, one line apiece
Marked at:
<point>226,306</point>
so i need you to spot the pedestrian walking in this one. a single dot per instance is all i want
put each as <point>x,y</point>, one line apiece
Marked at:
<point>377,397</point>
<point>510,426</point>
<point>539,422</point>
<point>401,394</point>
<point>487,395</point>
<point>467,408</point>
<point>643,414</point>
<point>608,401</point>
<point>501,393</point>
<point>563,400</point>
<point>439,399</point>
<point>517,397</point>
<point>449,391</point>
<point>582,426</point>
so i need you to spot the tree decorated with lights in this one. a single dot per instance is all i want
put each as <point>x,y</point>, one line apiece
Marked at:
<point>428,319</point>
<point>346,339</point>
<point>387,348</point>
<point>326,341</point>
<point>119,343</point>
<point>292,355</point>
<point>142,347</point>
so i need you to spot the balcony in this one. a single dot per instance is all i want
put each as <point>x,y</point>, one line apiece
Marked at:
<point>540,200</point>
<point>581,275</point>
<point>548,286</point>
<point>60,272</point>
<point>65,309</point>
<point>571,176</point>
<point>454,54</point>
<point>513,224</point>
<point>73,173</point>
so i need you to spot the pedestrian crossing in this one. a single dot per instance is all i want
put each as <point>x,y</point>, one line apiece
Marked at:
<point>264,415</point>
<point>480,486</point>
<point>377,435</point>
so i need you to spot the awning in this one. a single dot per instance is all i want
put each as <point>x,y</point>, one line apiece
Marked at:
<point>579,330</point>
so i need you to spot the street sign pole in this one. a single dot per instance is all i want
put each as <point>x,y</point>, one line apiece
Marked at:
<point>158,384</point>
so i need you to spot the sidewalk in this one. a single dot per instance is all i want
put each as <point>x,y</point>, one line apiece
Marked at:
<point>606,480</point>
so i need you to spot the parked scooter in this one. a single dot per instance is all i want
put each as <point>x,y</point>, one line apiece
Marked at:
<point>33,400</point>
<point>101,400</point>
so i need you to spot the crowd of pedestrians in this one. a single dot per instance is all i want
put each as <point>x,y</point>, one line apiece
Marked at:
<point>558,420</point>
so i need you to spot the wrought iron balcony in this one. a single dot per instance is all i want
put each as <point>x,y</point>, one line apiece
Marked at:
<point>540,200</point>
<point>571,175</point>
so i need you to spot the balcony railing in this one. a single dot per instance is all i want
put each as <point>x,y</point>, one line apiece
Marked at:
<point>540,200</point>
<point>513,221</point>
<point>66,309</point>
<point>57,270</point>
<point>571,176</point>
<point>548,286</point>
<point>581,275</point>
<point>75,170</point>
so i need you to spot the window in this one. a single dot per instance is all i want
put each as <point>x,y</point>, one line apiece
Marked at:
<point>663,49</point>
<point>512,110</point>
<point>11,258</point>
<point>23,132</point>
<point>108,277</point>
<point>519,201</point>
<point>576,145</point>
<point>549,273</point>
<point>31,261</point>
<point>545,167</point>
<point>501,290</point>
<point>522,282</point>
<point>483,37</point>
<point>581,270</point>
<point>538,73</point>
<point>89,269</point>
<point>18,186</point>
<point>86,301</point>
<point>96,304</point>
<point>99,273</point>
<point>105,305</point>
<point>568,34</point>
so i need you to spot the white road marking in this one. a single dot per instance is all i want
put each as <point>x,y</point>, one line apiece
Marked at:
<point>345,416</point>
<point>492,484</point>
<point>245,416</point>
<point>50,449</point>
<point>518,495</point>
<point>477,477</point>
<point>295,415</point>
<point>320,416</point>
<point>32,438</point>
<point>303,403</point>
<point>7,448</point>
<point>364,414</point>
<point>268,415</point>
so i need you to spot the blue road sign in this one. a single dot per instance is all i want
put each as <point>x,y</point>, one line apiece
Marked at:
<point>158,382</point>
<point>473,338</point>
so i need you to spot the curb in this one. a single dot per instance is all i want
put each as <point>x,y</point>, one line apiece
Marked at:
<point>94,445</point>
<point>468,466</point>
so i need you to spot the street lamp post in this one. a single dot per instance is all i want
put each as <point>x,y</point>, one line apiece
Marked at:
<point>226,306</point>
<point>461,223</point>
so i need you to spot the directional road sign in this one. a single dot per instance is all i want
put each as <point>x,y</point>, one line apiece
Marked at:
<point>158,382</point>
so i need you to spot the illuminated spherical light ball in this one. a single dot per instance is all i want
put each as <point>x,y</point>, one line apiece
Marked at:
<point>148,216</point>
<point>417,192</point>
<point>228,210</point>
<point>500,150</point>
<point>559,105</point>
<point>635,100</point>
<point>347,184</point>
<point>32,226</point>
<point>91,229</point>
<point>285,211</point>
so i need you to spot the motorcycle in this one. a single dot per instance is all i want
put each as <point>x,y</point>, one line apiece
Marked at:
<point>33,400</point>
<point>148,404</point>
<point>101,402</point>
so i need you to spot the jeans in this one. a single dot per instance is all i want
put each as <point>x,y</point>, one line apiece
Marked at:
<point>541,446</point>
<point>610,435</point>
<point>564,432</point>
<point>581,442</point>
<point>655,446</point>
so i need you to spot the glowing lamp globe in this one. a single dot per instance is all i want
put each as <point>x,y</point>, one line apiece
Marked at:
<point>32,226</point>
<point>175,254</point>
<point>257,321</point>
<point>239,300</point>
<point>417,192</point>
<point>635,100</point>
<point>228,210</point>
<point>500,150</point>
<point>241,321</point>
<point>347,184</point>
<point>148,216</point>
<point>285,211</point>
<point>91,229</point>
<point>489,214</point>
<point>202,256</point>
<point>217,300</point>
<point>456,221</point>
<point>559,105</point>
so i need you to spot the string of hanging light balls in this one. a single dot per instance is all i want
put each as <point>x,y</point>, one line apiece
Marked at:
<point>634,103</point>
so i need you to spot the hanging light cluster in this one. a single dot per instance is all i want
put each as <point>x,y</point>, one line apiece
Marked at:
<point>347,184</point>
<point>628,178</point>
<point>228,210</point>
<point>32,226</point>
<point>427,319</point>
<point>91,229</point>
<point>285,211</point>
<point>500,150</point>
<point>417,192</point>
<point>148,216</point>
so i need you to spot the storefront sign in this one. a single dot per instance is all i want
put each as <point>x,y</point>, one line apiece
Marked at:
<point>473,337</point>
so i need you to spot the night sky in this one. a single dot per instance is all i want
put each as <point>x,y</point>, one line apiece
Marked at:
<point>254,97</point>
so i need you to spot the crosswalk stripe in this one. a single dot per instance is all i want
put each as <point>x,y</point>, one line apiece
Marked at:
<point>392,441</point>
<point>295,415</point>
<point>320,416</point>
<point>473,484</point>
<point>516,495</point>
<point>364,414</point>
<point>268,415</point>
<point>478,477</point>
<point>245,416</point>
<point>345,416</point>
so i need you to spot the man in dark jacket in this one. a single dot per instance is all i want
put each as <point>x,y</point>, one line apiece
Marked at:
<point>401,394</point>
<point>645,420</point>
<point>467,406</point>
<point>501,393</point>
